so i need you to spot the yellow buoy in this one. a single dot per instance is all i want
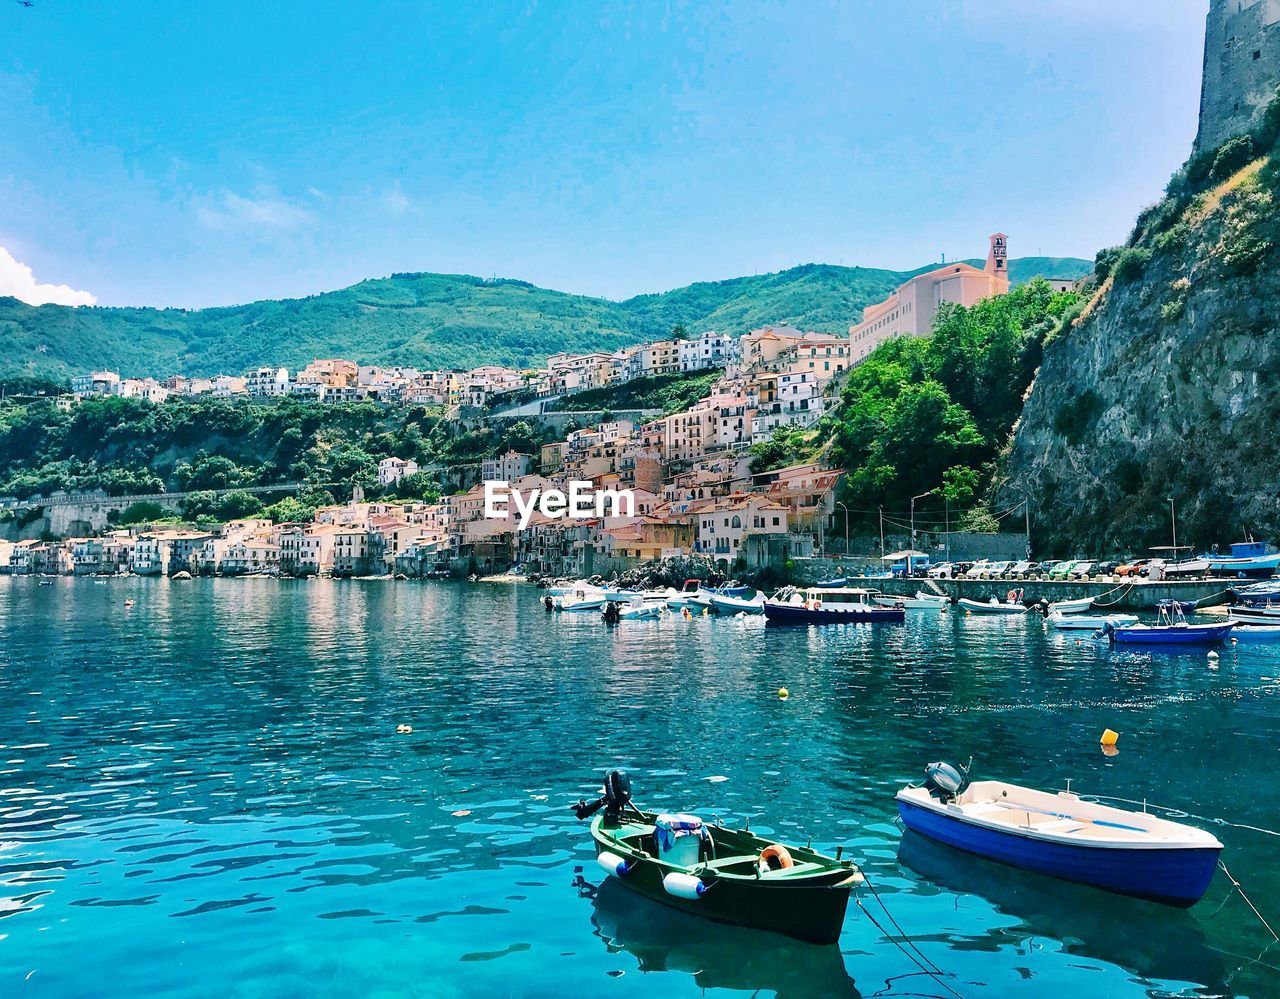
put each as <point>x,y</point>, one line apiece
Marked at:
<point>1109,738</point>
<point>783,693</point>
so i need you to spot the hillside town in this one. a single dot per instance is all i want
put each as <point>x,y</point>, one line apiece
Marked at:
<point>689,472</point>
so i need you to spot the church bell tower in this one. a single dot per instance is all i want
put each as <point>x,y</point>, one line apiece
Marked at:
<point>998,257</point>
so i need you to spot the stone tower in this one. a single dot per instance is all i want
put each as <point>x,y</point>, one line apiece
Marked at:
<point>998,256</point>
<point>1241,67</point>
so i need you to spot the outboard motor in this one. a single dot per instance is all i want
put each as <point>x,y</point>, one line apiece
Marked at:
<point>612,613</point>
<point>616,797</point>
<point>945,782</point>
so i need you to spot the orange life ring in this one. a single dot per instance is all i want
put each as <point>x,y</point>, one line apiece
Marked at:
<point>1011,596</point>
<point>775,858</point>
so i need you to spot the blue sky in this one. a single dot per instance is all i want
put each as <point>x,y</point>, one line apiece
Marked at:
<point>155,153</point>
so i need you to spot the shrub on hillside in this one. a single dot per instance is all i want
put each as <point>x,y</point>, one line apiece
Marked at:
<point>1130,263</point>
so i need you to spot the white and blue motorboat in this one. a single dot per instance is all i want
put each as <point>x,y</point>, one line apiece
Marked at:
<point>1063,836</point>
<point>637,611</point>
<point>580,599</point>
<point>723,603</point>
<point>1248,559</point>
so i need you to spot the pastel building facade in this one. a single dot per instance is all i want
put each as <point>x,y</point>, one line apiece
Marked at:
<point>911,309</point>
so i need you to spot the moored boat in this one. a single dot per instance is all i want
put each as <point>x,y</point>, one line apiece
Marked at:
<point>1012,604</point>
<point>941,599</point>
<point>722,874</point>
<point>1063,836</point>
<point>636,611</point>
<point>1171,628</point>
<point>819,605</point>
<point>1247,559</point>
<point>1262,614</point>
<point>908,603</point>
<point>724,604</point>
<point>1071,606</point>
<point>581,599</point>
<point>1090,622</point>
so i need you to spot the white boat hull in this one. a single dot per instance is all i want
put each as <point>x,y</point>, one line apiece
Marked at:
<point>1090,622</point>
<point>978,607</point>
<point>1071,606</point>
<point>909,603</point>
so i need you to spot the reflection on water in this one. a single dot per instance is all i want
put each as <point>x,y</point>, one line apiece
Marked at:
<point>208,790</point>
<point>661,939</point>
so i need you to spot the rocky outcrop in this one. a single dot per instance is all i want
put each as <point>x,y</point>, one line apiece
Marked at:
<point>1167,386</point>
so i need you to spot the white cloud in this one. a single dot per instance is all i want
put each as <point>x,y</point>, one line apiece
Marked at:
<point>266,212</point>
<point>396,201</point>
<point>16,280</point>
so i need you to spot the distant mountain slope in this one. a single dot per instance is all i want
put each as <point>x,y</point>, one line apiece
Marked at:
<point>435,320</point>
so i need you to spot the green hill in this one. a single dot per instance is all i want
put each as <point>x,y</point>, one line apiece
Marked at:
<point>433,320</point>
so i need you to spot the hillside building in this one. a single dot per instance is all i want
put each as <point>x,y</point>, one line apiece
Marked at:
<point>911,309</point>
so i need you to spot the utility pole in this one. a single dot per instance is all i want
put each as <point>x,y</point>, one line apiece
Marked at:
<point>882,532</point>
<point>1173,520</point>
<point>947,500</point>
<point>846,525</point>
<point>1026,512</point>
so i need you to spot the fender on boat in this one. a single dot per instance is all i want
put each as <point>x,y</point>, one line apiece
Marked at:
<point>612,864</point>
<point>684,886</point>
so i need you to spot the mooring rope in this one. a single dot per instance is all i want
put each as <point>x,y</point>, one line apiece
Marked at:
<point>1126,586</point>
<point>1236,885</point>
<point>924,966</point>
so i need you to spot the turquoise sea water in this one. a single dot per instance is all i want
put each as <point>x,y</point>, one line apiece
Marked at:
<point>206,793</point>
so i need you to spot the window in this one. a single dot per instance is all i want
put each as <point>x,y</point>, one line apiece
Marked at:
<point>775,521</point>
<point>737,521</point>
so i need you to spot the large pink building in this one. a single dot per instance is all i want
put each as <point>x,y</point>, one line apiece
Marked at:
<point>911,309</point>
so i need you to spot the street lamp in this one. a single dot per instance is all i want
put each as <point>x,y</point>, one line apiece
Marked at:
<point>1173,520</point>
<point>913,522</point>
<point>846,525</point>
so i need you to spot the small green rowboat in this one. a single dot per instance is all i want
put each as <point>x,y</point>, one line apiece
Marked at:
<point>727,875</point>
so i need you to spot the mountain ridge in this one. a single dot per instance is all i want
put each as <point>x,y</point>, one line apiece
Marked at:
<point>426,319</point>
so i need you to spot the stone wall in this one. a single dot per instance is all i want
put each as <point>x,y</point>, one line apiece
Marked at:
<point>1241,67</point>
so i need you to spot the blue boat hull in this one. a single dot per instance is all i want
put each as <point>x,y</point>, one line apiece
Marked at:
<point>787,614</point>
<point>1172,636</point>
<point>1172,877</point>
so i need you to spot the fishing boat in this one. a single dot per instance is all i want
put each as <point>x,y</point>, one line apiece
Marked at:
<point>1187,567</point>
<point>1256,614</point>
<point>1090,622</point>
<point>722,874</point>
<point>1257,593</point>
<point>818,605</point>
<point>1247,559</point>
<point>1257,633</point>
<point>658,596</point>
<point>941,599</point>
<point>1171,628</point>
<point>723,604</point>
<point>621,595</point>
<point>1062,835</point>
<point>831,584</point>
<point>1071,606</point>
<point>909,603</point>
<point>1012,604</point>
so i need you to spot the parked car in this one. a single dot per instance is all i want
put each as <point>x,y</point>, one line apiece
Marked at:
<point>940,571</point>
<point>1061,570</point>
<point>1045,567</point>
<point>1134,567</point>
<point>978,570</point>
<point>1107,568</point>
<point>1081,570</point>
<point>960,569</point>
<point>1020,570</point>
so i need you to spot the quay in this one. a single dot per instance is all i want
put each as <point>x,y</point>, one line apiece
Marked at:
<point>1120,594</point>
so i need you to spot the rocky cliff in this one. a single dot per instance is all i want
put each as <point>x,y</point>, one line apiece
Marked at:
<point>1168,383</point>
